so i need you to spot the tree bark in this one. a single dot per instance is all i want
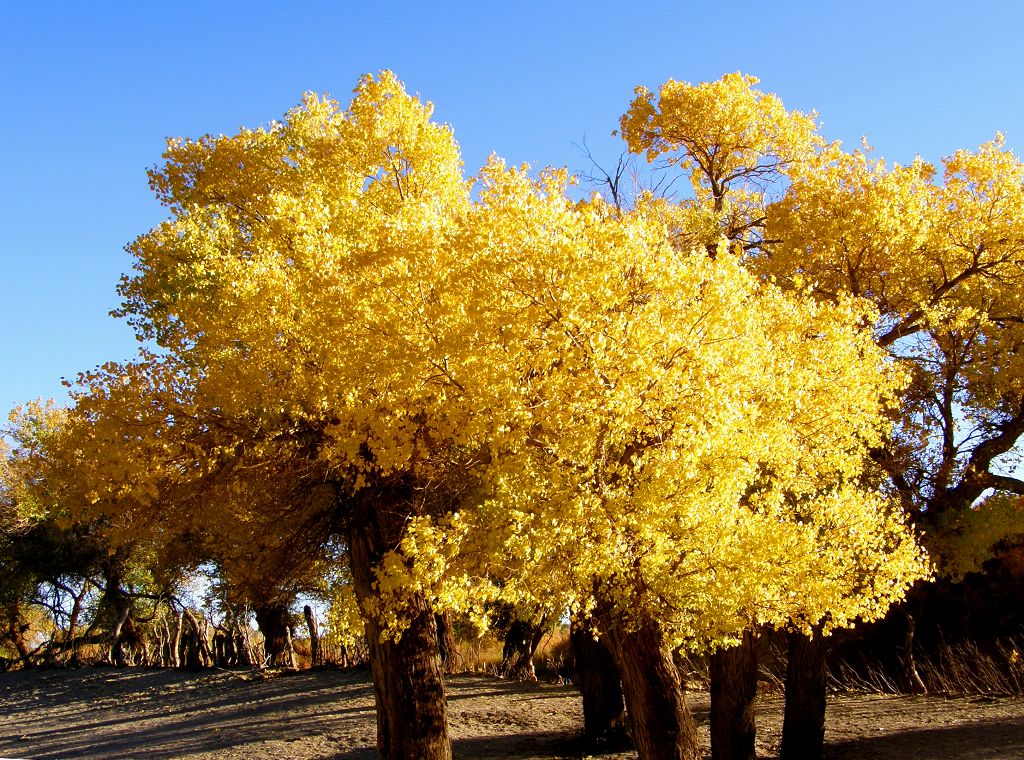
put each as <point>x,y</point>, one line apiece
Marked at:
<point>123,609</point>
<point>273,621</point>
<point>521,642</point>
<point>803,726</point>
<point>220,654</point>
<point>447,645</point>
<point>203,656</point>
<point>659,718</point>
<point>315,658</point>
<point>16,628</point>
<point>733,694</point>
<point>407,675</point>
<point>290,649</point>
<point>597,676</point>
<point>179,630</point>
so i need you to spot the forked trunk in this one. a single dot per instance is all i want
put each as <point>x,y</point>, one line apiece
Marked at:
<point>521,642</point>
<point>122,608</point>
<point>733,693</point>
<point>659,719</point>
<point>407,673</point>
<point>597,675</point>
<point>803,727</point>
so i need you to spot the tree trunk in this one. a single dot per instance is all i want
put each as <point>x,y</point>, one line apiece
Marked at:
<point>597,676</point>
<point>76,611</point>
<point>916,683</point>
<point>119,602</point>
<point>659,719</point>
<point>123,609</point>
<point>315,658</point>
<point>521,642</point>
<point>733,693</point>
<point>17,628</point>
<point>220,659</point>
<point>407,676</point>
<point>273,621</point>
<point>179,630</point>
<point>291,649</point>
<point>446,642</point>
<point>803,727</point>
<point>204,656</point>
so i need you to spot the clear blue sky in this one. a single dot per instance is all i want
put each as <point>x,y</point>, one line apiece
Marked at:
<point>89,92</point>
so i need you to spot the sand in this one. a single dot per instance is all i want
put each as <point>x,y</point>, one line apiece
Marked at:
<point>138,713</point>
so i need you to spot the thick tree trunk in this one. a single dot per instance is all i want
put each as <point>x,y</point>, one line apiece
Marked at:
<point>521,642</point>
<point>315,658</point>
<point>123,609</point>
<point>220,656</point>
<point>407,675</point>
<point>273,621</point>
<point>733,692</point>
<point>17,628</point>
<point>119,602</point>
<point>203,657</point>
<point>803,727</point>
<point>597,676</point>
<point>660,721</point>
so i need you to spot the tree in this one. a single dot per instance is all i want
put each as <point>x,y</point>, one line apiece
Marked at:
<point>937,260</point>
<point>509,387</point>
<point>309,300</point>
<point>742,147</point>
<point>66,565</point>
<point>941,262</point>
<point>694,446</point>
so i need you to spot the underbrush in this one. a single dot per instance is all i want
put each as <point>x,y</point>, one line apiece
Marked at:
<point>954,669</point>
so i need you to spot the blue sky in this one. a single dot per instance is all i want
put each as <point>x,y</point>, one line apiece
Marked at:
<point>90,91</point>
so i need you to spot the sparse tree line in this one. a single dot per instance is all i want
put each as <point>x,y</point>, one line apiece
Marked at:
<point>774,402</point>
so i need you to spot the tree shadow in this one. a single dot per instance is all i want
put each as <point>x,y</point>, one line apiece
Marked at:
<point>994,739</point>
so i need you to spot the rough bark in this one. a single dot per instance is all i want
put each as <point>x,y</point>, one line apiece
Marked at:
<point>203,656</point>
<point>16,629</point>
<point>521,642</point>
<point>273,621</point>
<point>733,694</point>
<point>407,674</point>
<point>290,649</point>
<point>315,658</point>
<point>803,726</point>
<point>597,676</point>
<point>122,608</point>
<point>244,649</point>
<point>220,654</point>
<point>120,604</point>
<point>660,721</point>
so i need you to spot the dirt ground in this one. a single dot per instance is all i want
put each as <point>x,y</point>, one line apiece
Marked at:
<point>135,713</point>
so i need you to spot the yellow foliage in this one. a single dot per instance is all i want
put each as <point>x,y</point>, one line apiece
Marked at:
<point>568,400</point>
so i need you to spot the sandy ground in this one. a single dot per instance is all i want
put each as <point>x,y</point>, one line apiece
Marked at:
<point>102,713</point>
